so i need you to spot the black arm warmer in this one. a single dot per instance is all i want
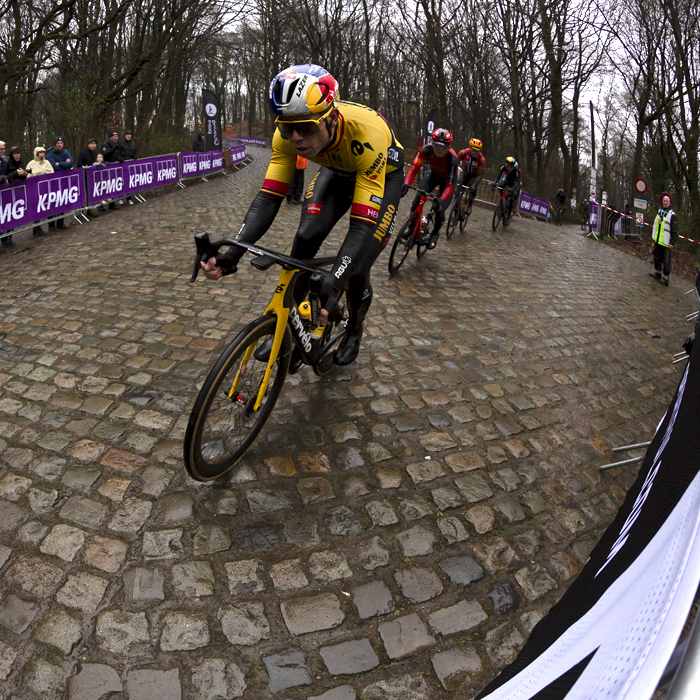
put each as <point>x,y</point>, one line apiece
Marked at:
<point>261,214</point>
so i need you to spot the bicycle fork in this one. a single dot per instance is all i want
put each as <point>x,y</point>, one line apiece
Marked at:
<point>281,312</point>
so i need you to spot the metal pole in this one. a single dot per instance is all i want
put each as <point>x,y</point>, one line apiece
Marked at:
<point>687,681</point>
<point>624,448</point>
<point>593,141</point>
<point>620,464</point>
<point>690,291</point>
<point>680,359</point>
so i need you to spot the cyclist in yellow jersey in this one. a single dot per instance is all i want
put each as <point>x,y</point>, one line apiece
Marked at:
<point>362,170</point>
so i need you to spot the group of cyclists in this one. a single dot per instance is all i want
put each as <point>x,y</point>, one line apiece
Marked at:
<point>362,171</point>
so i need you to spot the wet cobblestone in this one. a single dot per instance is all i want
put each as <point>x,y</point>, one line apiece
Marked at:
<point>398,527</point>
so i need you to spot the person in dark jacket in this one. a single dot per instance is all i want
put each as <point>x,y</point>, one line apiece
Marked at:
<point>127,151</point>
<point>200,143</point>
<point>88,156</point>
<point>59,157</point>
<point>127,147</point>
<point>12,169</point>
<point>60,160</point>
<point>110,148</point>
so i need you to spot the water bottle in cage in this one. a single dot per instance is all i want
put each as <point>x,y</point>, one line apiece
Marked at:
<point>423,223</point>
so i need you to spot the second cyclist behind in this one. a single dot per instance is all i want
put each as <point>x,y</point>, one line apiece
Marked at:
<point>471,169</point>
<point>443,174</point>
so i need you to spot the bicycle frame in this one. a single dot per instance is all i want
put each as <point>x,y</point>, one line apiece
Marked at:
<point>421,204</point>
<point>282,306</point>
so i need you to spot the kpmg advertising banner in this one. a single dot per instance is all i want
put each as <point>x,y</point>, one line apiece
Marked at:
<point>533,205</point>
<point>614,630</point>
<point>238,153</point>
<point>121,179</point>
<point>197,164</point>
<point>41,197</point>
<point>252,140</point>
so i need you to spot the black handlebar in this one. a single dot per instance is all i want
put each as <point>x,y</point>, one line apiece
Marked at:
<point>207,248</point>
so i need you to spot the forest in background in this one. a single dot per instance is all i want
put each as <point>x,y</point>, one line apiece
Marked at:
<point>518,74</point>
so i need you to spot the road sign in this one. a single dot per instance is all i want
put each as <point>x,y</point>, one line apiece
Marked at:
<point>640,202</point>
<point>420,141</point>
<point>573,204</point>
<point>641,186</point>
<point>593,192</point>
<point>640,218</point>
<point>593,174</point>
<point>604,198</point>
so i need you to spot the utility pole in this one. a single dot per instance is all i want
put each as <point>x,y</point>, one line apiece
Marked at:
<point>592,139</point>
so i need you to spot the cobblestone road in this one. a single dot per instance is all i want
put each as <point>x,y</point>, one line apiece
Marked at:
<point>399,526</point>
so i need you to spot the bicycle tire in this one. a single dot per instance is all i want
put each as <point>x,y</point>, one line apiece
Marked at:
<point>497,215</point>
<point>330,339</point>
<point>209,456</point>
<point>454,217</point>
<point>404,240</point>
<point>465,213</point>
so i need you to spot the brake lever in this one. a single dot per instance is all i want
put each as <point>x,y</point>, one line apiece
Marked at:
<point>205,251</point>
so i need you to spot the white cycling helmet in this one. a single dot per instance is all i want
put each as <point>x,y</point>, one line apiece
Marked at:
<point>304,93</point>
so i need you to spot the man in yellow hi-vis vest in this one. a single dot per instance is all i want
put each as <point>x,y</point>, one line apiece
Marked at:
<point>663,238</point>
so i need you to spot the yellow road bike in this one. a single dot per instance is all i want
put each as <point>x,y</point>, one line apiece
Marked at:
<point>242,387</point>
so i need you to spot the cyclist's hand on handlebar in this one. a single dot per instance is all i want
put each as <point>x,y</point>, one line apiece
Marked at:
<point>404,190</point>
<point>211,270</point>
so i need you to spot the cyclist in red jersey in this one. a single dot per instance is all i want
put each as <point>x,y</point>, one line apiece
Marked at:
<point>443,174</point>
<point>472,165</point>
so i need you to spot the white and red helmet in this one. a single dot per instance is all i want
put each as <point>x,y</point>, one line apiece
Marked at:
<point>302,93</point>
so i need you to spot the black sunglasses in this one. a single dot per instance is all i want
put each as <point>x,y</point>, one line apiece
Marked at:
<point>304,129</point>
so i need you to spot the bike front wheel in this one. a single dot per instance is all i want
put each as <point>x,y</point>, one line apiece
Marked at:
<point>497,215</point>
<point>425,236</point>
<point>224,423</point>
<point>507,214</point>
<point>403,243</point>
<point>465,212</point>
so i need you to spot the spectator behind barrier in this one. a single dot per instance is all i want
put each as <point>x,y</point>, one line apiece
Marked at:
<point>100,163</point>
<point>2,150</point>
<point>127,147</point>
<point>88,155</point>
<point>59,157</point>
<point>12,169</point>
<point>127,151</point>
<point>39,166</point>
<point>110,148</point>
<point>200,143</point>
<point>61,160</point>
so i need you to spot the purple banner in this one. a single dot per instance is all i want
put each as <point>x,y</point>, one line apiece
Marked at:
<point>533,205</point>
<point>41,197</point>
<point>197,164</point>
<point>238,153</point>
<point>593,221</point>
<point>252,140</point>
<point>121,179</point>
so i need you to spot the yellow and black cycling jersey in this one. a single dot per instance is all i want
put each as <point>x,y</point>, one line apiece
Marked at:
<point>364,148</point>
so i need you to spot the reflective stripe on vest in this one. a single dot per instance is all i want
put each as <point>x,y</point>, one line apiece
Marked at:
<point>663,219</point>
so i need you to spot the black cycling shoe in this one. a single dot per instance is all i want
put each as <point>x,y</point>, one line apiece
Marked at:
<point>349,348</point>
<point>262,352</point>
<point>665,279</point>
<point>657,275</point>
<point>433,240</point>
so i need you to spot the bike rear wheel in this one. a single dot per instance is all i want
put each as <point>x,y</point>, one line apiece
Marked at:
<point>221,428</point>
<point>454,217</point>
<point>403,243</point>
<point>497,215</point>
